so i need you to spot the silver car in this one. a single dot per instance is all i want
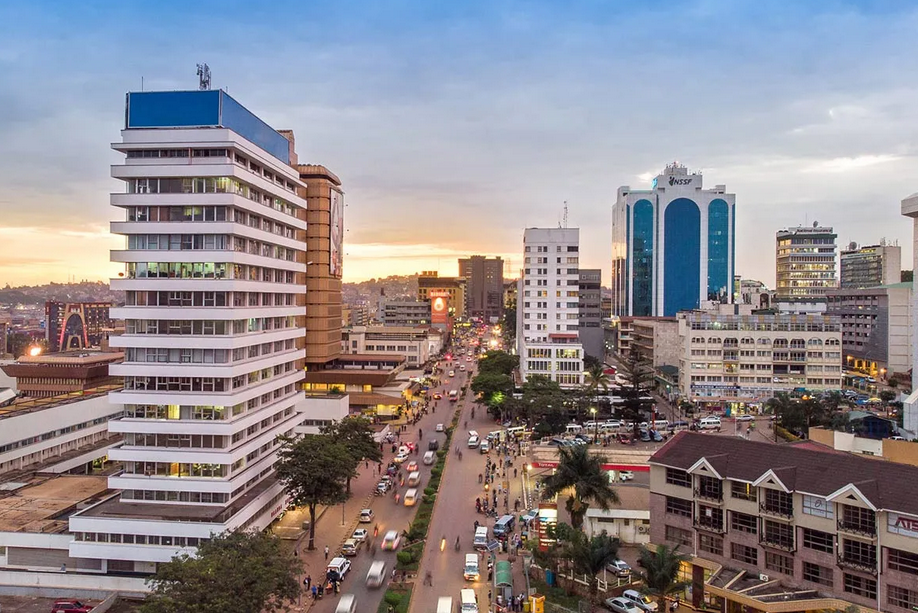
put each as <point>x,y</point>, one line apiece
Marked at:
<point>621,605</point>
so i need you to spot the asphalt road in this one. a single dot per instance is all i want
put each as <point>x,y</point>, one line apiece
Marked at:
<point>392,516</point>
<point>454,515</point>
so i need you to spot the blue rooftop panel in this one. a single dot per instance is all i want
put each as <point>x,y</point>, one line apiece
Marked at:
<point>197,109</point>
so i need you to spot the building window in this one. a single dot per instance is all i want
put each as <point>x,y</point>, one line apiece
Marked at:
<point>679,536</point>
<point>741,522</point>
<point>710,488</point>
<point>860,586</point>
<point>678,506</point>
<point>778,503</point>
<point>903,561</point>
<point>901,597</point>
<point>711,544</point>
<point>743,491</point>
<point>859,554</point>
<point>859,520</point>
<point>818,540</point>
<point>678,477</point>
<point>777,534</point>
<point>779,563</point>
<point>711,518</point>
<point>817,574</point>
<point>744,554</point>
<point>814,505</point>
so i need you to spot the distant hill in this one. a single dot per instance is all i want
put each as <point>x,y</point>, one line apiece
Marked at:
<point>85,291</point>
<point>395,287</point>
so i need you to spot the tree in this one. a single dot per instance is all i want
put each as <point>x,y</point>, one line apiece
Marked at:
<point>487,384</point>
<point>314,470</point>
<point>661,572</point>
<point>543,397</point>
<point>597,379</point>
<point>582,477</point>
<point>588,555</point>
<point>638,374</point>
<point>245,571</point>
<point>499,362</point>
<point>356,434</point>
<point>508,322</point>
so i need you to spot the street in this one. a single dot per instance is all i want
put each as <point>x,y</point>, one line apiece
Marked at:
<point>389,515</point>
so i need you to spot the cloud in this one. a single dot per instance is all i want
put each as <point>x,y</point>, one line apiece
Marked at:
<point>851,163</point>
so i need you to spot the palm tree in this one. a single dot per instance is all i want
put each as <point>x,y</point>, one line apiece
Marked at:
<point>581,475</point>
<point>588,556</point>
<point>596,379</point>
<point>661,572</point>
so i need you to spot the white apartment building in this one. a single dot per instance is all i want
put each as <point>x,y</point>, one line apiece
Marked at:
<point>548,310</point>
<point>214,276</point>
<point>416,343</point>
<point>737,360</point>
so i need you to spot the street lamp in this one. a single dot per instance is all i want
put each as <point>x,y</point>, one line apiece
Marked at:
<point>595,425</point>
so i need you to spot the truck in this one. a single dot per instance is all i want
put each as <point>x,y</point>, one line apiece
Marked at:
<point>453,395</point>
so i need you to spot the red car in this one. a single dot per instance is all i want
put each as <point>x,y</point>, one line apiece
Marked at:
<point>438,396</point>
<point>70,606</point>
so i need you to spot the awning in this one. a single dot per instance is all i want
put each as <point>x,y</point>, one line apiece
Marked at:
<point>503,574</point>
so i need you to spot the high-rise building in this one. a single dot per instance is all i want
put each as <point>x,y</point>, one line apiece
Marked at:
<point>75,325</point>
<point>214,282</point>
<point>548,308</point>
<point>870,265</point>
<point>672,245</point>
<point>805,263</point>
<point>323,258</point>
<point>590,306</point>
<point>484,286</point>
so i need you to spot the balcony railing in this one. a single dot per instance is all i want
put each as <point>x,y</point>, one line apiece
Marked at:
<point>776,543</point>
<point>710,524</point>
<point>706,494</point>
<point>857,565</point>
<point>858,529</point>
<point>768,510</point>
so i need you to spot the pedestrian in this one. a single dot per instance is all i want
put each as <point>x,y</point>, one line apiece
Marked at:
<point>366,464</point>
<point>489,592</point>
<point>307,580</point>
<point>315,592</point>
<point>296,553</point>
<point>326,552</point>
<point>514,473</point>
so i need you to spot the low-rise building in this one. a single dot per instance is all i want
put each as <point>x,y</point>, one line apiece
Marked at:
<point>52,374</point>
<point>628,521</point>
<point>417,343</point>
<point>405,313</point>
<point>656,339</point>
<point>876,325</point>
<point>732,361</point>
<point>782,528</point>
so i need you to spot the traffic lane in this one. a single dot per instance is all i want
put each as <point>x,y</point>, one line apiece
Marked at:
<point>455,516</point>
<point>388,516</point>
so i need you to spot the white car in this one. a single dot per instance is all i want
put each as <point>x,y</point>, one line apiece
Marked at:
<point>391,540</point>
<point>745,417</point>
<point>621,605</point>
<point>400,458</point>
<point>440,428</point>
<point>366,516</point>
<point>360,535</point>
<point>452,373</point>
<point>625,475</point>
<point>340,566</point>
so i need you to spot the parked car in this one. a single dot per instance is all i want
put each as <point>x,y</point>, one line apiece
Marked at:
<point>366,516</point>
<point>360,535</point>
<point>621,605</point>
<point>625,475</point>
<point>70,606</point>
<point>746,417</point>
<point>391,540</point>
<point>340,566</point>
<point>643,602</point>
<point>527,517</point>
<point>619,567</point>
<point>350,547</point>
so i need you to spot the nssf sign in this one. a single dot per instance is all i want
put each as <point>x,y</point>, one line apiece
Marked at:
<point>679,180</point>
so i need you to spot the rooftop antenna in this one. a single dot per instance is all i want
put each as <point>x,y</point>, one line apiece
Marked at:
<point>203,77</point>
<point>564,217</point>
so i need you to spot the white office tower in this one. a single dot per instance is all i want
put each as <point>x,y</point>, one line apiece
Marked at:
<point>548,323</point>
<point>214,272</point>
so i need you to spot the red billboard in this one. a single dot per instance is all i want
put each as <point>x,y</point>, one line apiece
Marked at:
<point>439,307</point>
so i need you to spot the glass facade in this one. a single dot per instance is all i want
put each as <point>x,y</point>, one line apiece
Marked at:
<point>718,249</point>
<point>681,270</point>
<point>643,258</point>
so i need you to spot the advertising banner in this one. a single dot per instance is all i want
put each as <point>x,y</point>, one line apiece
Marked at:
<point>336,233</point>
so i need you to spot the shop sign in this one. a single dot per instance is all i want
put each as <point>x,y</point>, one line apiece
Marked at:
<point>902,525</point>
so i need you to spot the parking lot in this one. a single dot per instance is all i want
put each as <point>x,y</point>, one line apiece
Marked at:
<point>34,604</point>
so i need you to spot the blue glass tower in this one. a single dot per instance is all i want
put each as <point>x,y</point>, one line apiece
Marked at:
<point>672,245</point>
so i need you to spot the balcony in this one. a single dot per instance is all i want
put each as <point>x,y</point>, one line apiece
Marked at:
<point>778,512</point>
<point>711,524</point>
<point>703,493</point>
<point>858,565</point>
<point>857,528</point>
<point>774,542</point>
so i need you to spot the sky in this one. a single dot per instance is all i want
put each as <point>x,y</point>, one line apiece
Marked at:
<point>454,126</point>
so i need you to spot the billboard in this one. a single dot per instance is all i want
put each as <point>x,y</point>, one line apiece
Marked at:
<point>336,233</point>
<point>439,309</point>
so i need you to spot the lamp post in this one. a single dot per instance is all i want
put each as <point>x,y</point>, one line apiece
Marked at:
<point>595,425</point>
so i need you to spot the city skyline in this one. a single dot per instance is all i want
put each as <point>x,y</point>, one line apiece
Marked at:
<point>472,111</point>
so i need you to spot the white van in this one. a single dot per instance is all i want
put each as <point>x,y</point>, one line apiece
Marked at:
<point>376,574</point>
<point>445,604</point>
<point>468,601</point>
<point>480,542</point>
<point>709,423</point>
<point>414,479</point>
<point>347,604</point>
<point>474,440</point>
<point>660,424</point>
<point>574,428</point>
<point>470,570</point>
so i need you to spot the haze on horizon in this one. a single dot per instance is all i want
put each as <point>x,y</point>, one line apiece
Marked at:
<point>454,127</point>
